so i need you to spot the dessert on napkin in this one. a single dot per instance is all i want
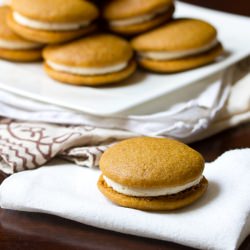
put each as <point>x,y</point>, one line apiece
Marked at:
<point>218,220</point>
<point>152,174</point>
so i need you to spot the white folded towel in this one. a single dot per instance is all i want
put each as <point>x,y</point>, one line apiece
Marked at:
<point>219,220</point>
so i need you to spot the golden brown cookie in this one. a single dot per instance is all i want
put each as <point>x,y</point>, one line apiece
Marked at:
<point>94,60</point>
<point>12,46</point>
<point>178,65</point>
<point>21,55</point>
<point>152,174</point>
<point>131,17</point>
<point>73,19</point>
<point>160,203</point>
<point>181,44</point>
<point>91,80</point>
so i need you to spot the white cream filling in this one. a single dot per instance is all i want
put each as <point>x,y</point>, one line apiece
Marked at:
<point>5,44</point>
<point>169,55</point>
<point>149,192</point>
<point>25,21</point>
<point>87,71</point>
<point>138,19</point>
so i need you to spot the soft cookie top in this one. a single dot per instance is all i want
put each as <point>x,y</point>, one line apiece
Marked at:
<point>146,162</point>
<point>97,50</point>
<point>60,11</point>
<point>178,35</point>
<point>123,9</point>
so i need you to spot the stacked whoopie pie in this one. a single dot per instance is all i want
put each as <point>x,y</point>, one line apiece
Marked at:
<point>177,46</point>
<point>90,60</point>
<point>152,174</point>
<point>93,42</point>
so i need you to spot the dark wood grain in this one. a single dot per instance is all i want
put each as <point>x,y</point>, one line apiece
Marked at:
<point>240,7</point>
<point>29,231</point>
<point>214,146</point>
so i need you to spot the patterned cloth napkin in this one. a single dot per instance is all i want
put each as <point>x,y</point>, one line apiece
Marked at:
<point>32,133</point>
<point>26,146</point>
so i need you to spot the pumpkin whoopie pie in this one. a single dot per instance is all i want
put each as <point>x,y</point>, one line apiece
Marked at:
<point>152,174</point>
<point>179,45</point>
<point>12,46</point>
<point>131,17</point>
<point>52,21</point>
<point>94,60</point>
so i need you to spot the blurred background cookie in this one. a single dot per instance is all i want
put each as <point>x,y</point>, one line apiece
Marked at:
<point>52,21</point>
<point>94,60</point>
<point>179,45</point>
<point>131,17</point>
<point>12,46</point>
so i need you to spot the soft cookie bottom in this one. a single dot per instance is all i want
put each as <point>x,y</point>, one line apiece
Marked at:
<point>93,80</point>
<point>182,64</point>
<point>160,203</point>
<point>30,55</point>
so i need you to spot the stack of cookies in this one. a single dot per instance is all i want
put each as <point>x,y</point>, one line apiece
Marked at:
<point>101,42</point>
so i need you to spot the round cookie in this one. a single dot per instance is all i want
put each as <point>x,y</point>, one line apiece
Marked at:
<point>94,60</point>
<point>160,203</point>
<point>180,45</point>
<point>152,174</point>
<point>178,65</point>
<point>12,46</point>
<point>129,17</point>
<point>73,19</point>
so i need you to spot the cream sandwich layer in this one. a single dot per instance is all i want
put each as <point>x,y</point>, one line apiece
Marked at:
<point>25,21</point>
<point>87,70</point>
<point>5,44</point>
<point>138,19</point>
<point>149,192</point>
<point>169,55</point>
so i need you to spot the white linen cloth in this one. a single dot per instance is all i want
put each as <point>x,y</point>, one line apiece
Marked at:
<point>219,220</point>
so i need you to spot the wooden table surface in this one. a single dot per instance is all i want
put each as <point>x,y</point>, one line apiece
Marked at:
<point>28,231</point>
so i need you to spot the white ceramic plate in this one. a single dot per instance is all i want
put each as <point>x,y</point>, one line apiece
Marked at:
<point>29,80</point>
